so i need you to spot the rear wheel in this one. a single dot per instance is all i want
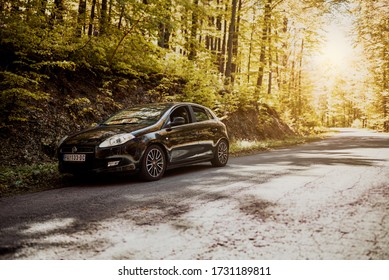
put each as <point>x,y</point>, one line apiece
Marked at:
<point>220,157</point>
<point>153,163</point>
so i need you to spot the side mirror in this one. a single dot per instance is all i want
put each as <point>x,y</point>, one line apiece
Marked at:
<point>177,121</point>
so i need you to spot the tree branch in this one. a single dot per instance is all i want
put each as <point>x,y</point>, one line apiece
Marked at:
<point>122,39</point>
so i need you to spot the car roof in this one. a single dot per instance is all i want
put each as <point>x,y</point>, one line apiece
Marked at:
<point>167,104</point>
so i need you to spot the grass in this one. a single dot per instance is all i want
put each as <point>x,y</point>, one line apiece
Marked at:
<point>243,147</point>
<point>28,178</point>
<point>38,177</point>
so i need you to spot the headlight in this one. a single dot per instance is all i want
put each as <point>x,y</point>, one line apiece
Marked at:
<point>117,140</point>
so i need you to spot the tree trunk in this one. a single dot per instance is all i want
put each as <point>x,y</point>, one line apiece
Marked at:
<point>222,56</point>
<point>164,30</point>
<point>235,43</point>
<point>81,19</point>
<point>385,87</point>
<point>230,42</point>
<point>270,78</point>
<point>92,18</point>
<point>104,16</point>
<point>251,47</point>
<point>122,10</point>
<point>300,73</point>
<point>58,10</point>
<point>262,56</point>
<point>193,33</point>
<point>110,11</point>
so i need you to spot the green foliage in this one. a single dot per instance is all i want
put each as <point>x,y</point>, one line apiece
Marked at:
<point>80,108</point>
<point>307,124</point>
<point>200,88</point>
<point>165,90</point>
<point>106,104</point>
<point>371,26</point>
<point>28,178</point>
<point>202,84</point>
<point>33,38</point>
<point>49,66</point>
<point>227,103</point>
<point>19,95</point>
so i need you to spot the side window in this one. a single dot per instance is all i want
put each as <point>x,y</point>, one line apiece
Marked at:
<point>200,114</point>
<point>210,115</point>
<point>180,112</point>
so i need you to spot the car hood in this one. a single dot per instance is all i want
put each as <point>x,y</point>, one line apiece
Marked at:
<point>96,135</point>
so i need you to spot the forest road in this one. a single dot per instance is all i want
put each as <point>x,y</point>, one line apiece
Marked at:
<point>323,200</point>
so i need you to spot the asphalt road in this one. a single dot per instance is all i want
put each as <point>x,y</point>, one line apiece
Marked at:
<point>324,200</point>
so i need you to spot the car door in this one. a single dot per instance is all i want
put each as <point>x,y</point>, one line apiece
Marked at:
<point>206,129</point>
<point>180,139</point>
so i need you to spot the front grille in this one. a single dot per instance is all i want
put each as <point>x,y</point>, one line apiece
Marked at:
<point>90,163</point>
<point>80,150</point>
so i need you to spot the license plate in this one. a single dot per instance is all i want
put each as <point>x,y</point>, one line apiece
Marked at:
<point>74,157</point>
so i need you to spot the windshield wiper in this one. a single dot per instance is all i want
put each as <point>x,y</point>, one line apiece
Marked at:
<point>122,123</point>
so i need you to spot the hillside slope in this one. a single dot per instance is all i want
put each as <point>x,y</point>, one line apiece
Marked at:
<point>79,99</point>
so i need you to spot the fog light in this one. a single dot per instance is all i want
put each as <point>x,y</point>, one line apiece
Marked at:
<point>113,163</point>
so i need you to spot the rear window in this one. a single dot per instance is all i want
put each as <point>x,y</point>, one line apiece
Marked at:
<point>201,114</point>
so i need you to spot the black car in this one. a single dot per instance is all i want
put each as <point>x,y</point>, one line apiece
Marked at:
<point>147,139</point>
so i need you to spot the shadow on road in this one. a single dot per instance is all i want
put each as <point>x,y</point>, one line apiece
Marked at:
<point>346,150</point>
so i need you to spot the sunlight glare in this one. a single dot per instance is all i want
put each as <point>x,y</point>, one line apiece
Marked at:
<point>337,51</point>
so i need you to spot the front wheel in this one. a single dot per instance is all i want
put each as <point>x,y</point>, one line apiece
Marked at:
<point>220,157</point>
<point>153,163</point>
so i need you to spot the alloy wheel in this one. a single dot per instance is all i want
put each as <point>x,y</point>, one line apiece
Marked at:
<point>222,152</point>
<point>221,156</point>
<point>154,163</point>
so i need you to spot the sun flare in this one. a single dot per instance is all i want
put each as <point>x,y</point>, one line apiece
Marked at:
<point>336,56</point>
<point>337,51</point>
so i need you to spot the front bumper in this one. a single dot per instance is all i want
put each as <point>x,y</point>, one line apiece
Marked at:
<point>108,165</point>
<point>124,158</point>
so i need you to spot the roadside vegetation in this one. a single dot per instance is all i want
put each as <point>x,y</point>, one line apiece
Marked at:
<point>29,178</point>
<point>246,147</point>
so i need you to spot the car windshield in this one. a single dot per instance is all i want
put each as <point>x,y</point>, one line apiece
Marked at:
<point>137,115</point>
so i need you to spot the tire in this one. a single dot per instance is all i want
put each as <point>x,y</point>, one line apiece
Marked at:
<point>153,163</point>
<point>220,157</point>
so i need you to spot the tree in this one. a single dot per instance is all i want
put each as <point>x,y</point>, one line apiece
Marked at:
<point>165,26</point>
<point>104,17</point>
<point>81,19</point>
<point>58,10</point>
<point>230,41</point>
<point>193,31</point>
<point>373,31</point>
<point>264,42</point>
<point>91,29</point>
